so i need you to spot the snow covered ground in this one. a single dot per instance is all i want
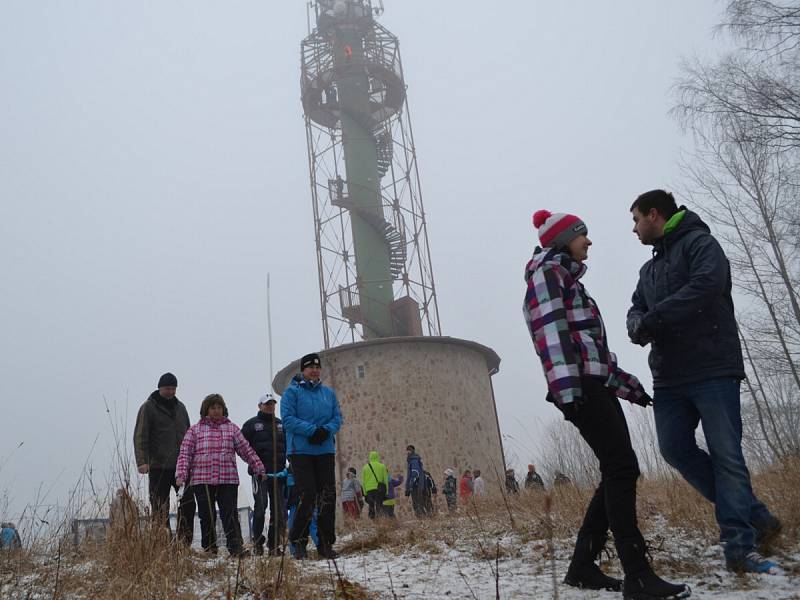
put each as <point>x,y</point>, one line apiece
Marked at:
<point>524,570</point>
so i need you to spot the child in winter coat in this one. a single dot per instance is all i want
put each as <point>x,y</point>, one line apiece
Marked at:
<point>351,490</point>
<point>208,458</point>
<point>450,489</point>
<point>391,495</point>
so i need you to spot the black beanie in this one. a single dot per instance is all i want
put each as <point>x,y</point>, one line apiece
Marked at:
<point>310,360</point>
<point>168,380</point>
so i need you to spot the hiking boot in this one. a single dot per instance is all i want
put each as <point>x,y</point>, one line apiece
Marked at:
<point>753,562</point>
<point>649,586</point>
<point>300,553</point>
<point>240,553</point>
<point>590,577</point>
<point>274,552</point>
<point>583,572</point>
<point>641,583</point>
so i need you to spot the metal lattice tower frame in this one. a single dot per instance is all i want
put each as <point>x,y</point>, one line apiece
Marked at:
<point>373,255</point>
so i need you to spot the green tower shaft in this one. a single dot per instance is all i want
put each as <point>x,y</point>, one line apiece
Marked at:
<point>359,143</point>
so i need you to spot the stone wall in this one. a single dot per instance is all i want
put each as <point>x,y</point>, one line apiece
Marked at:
<point>432,392</point>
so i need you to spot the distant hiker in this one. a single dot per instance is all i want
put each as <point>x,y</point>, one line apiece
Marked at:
<point>415,481</point>
<point>375,484</point>
<point>161,423</point>
<point>512,487</point>
<point>450,489</point>
<point>351,490</point>
<point>465,487</point>
<point>560,479</point>
<point>123,516</point>
<point>478,483</point>
<point>391,497</point>
<point>683,308</point>
<point>584,380</point>
<point>430,494</point>
<point>264,433</point>
<point>532,479</point>
<point>208,457</point>
<point>311,419</point>
<point>9,537</point>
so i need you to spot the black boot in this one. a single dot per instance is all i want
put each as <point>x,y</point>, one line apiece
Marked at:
<point>258,546</point>
<point>583,572</point>
<point>641,583</point>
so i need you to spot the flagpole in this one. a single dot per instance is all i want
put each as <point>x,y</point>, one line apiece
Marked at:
<point>269,334</point>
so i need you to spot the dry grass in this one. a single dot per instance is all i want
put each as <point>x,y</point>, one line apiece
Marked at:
<point>147,564</point>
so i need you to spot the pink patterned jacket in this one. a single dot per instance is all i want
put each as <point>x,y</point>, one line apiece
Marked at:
<point>208,454</point>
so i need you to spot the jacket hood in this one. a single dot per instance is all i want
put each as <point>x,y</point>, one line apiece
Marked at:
<point>374,456</point>
<point>691,221</point>
<point>554,257</point>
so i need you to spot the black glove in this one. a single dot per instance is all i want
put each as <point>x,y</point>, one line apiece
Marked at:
<point>645,400</point>
<point>637,332</point>
<point>320,435</point>
<point>570,409</point>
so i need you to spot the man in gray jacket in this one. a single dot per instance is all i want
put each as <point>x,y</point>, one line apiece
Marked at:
<point>683,308</point>
<point>160,426</point>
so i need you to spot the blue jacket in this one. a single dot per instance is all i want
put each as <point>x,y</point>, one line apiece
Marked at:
<point>304,407</point>
<point>683,302</point>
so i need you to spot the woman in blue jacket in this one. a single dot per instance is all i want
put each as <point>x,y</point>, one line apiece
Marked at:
<point>311,419</point>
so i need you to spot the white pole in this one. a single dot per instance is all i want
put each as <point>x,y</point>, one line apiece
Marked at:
<point>269,334</point>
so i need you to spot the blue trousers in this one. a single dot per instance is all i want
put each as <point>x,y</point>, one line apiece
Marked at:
<point>719,474</point>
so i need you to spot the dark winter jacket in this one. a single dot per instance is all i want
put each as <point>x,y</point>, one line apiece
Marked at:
<point>160,427</point>
<point>533,481</point>
<point>265,435</point>
<point>683,303</point>
<point>415,477</point>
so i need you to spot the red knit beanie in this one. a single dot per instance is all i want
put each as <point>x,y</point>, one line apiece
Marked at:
<point>557,230</point>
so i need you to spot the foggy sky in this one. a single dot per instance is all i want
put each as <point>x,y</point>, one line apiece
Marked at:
<point>153,170</point>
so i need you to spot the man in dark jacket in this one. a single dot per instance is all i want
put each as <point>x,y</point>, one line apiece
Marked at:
<point>683,308</point>
<point>161,424</point>
<point>265,434</point>
<point>416,482</point>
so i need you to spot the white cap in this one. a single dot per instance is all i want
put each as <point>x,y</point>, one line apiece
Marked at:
<point>266,398</point>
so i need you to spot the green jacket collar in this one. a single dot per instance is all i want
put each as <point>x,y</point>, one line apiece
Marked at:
<point>674,221</point>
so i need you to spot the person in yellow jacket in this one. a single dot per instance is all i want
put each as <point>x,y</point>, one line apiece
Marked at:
<point>375,483</point>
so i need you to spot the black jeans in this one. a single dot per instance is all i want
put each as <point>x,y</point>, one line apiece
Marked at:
<point>224,496</point>
<point>375,503</point>
<point>160,481</point>
<point>602,424</point>
<point>315,480</point>
<point>269,491</point>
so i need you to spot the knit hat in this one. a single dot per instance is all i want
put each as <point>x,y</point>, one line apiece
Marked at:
<point>310,360</point>
<point>557,230</point>
<point>168,380</point>
<point>448,472</point>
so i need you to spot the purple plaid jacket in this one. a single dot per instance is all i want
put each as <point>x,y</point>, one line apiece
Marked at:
<point>568,331</point>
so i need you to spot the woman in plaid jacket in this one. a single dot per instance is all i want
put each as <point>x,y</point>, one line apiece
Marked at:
<point>208,459</point>
<point>585,382</point>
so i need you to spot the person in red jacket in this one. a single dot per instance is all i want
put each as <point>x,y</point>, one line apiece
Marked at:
<point>465,487</point>
<point>208,458</point>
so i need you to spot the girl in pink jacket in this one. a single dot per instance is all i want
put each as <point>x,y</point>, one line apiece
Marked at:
<point>207,462</point>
